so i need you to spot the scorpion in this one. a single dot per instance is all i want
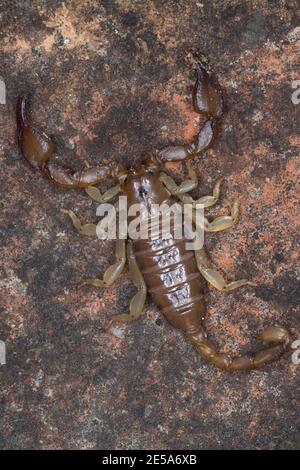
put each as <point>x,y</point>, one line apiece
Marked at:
<point>160,265</point>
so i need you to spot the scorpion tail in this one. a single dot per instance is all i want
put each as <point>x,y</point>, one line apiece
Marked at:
<point>278,338</point>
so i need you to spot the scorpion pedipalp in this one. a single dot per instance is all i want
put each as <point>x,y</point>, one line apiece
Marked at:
<point>37,149</point>
<point>208,101</point>
<point>207,95</point>
<point>35,145</point>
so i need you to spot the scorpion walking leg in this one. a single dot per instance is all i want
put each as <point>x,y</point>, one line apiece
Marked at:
<point>96,195</point>
<point>37,148</point>
<point>114,271</point>
<point>138,301</point>
<point>86,230</point>
<point>185,186</point>
<point>220,223</point>
<point>213,277</point>
<point>224,222</point>
<point>209,201</point>
<point>203,202</point>
<point>90,230</point>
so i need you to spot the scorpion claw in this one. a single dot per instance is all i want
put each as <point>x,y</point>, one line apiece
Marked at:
<point>37,148</point>
<point>207,95</point>
<point>208,101</point>
<point>35,145</point>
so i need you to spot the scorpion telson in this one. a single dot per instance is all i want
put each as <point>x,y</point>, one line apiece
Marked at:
<point>163,266</point>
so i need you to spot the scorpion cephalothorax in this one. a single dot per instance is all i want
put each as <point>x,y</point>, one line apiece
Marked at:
<point>162,266</point>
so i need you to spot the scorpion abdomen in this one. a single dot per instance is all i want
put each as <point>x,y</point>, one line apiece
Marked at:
<point>172,278</point>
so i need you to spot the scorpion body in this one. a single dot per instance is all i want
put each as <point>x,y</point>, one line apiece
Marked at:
<point>169,270</point>
<point>160,263</point>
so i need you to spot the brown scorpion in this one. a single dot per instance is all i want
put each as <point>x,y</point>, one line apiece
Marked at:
<point>161,265</point>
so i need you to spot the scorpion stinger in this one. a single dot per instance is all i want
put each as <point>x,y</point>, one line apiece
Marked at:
<point>208,101</point>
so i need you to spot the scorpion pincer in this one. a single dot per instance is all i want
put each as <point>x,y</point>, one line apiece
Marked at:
<point>161,265</point>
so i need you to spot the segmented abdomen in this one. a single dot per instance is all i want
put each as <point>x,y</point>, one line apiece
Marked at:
<point>172,278</point>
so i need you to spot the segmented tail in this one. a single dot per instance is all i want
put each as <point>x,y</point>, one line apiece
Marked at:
<point>277,336</point>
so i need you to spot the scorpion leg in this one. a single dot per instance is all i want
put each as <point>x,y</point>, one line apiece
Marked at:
<point>208,101</point>
<point>90,230</point>
<point>138,301</point>
<point>86,230</point>
<point>204,201</point>
<point>213,277</point>
<point>114,271</point>
<point>96,195</point>
<point>189,184</point>
<point>224,222</point>
<point>37,148</point>
<point>185,186</point>
<point>209,201</point>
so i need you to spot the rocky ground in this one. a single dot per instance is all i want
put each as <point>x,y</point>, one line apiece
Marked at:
<point>111,80</point>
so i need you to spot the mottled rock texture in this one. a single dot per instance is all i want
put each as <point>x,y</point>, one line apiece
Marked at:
<point>110,80</point>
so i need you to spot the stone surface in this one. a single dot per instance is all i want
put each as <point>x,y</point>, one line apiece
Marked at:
<point>111,80</point>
